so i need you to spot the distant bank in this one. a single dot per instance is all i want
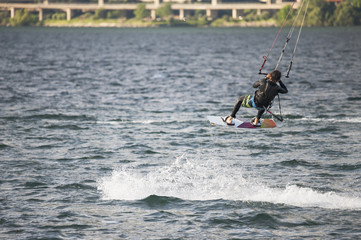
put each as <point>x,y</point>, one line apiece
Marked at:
<point>155,24</point>
<point>103,18</point>
<point>320,13</point>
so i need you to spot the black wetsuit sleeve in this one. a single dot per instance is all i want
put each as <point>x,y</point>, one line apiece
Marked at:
<point>283,88</point>
<point>257,84</point>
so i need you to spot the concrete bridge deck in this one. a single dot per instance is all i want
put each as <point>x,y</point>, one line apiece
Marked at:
<point>210,8</point>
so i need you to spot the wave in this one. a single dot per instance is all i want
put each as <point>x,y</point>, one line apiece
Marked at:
<point>3,146</point>
<point>146,121</point>
<point>67,126</point>
<point>296,163</point>
<point>186,120</point>
<point>207,180</point>
<point>354,98</point>
<point>75,186</point>
<point>60,117</point>
<point>122,121</point>
<point>159,201</point>
<point>332,120</point>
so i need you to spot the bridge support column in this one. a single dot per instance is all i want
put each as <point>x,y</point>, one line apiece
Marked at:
<point>153,14</point>
<point>258,11</point>
<point>68,14</point>
<point>208,13</point>
<point>181,14</point>
<point>234,13</point>
<point>215,2</point>
<point>46,2</point>
<point>12,12</point>
<point>40,14</point>
<point>157,2</point>
<point>100,2</point>
<point>211,13</point>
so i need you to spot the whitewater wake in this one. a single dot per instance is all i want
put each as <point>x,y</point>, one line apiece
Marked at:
<point>209,180</point>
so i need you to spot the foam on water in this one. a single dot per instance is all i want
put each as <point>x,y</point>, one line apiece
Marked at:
<point>209,180</point>
<point>331,120</point>
<point>142,121</point>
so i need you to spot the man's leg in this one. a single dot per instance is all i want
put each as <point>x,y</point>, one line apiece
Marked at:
<point>259,115</point>
<point>235,110</point>
<point>237,106</point>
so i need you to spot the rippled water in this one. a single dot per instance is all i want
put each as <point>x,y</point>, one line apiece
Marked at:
<point>103,135</point>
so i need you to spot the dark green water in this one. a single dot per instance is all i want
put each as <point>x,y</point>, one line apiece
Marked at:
<point>103,135</point>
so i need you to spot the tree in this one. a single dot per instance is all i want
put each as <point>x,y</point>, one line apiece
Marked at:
<point>346,14</point>
<point>141,12</point>
<point>356,3</point>
<point>100,13</point>
<point>314,17</point>
<point>320,13</point>
<point>23,18</point>
<point>282,14</point>
<point>165,10</point>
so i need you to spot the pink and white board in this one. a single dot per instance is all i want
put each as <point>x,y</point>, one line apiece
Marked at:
<point>241,123</point>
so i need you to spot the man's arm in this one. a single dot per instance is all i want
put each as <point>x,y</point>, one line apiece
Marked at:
<point>283,88</point>
<point>258,83</point>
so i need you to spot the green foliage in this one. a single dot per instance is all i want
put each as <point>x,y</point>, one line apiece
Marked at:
<point>87,15</point>
<point>249,11</point>
<point>141,12</point>
<point>202,21</point>
<point>314,17</point>
<point>115,14</point>
<point>59,16</point>
<point>117,1</point>
<point>217,23</point>
<point>4,18</point>
<point>226,18</point>
<point>197,20</point>
<point>100,14</point>
<point>224,21</point>
<point>24,18</point>
<point>199,13</point>
<point>356,3</point>
<point>178,23</point>
<point>322,13</point>
<point>265,15</point>
<point>282,14</point>
<point>346,14</point>
<point>165,10</point>
<point>252,15</point>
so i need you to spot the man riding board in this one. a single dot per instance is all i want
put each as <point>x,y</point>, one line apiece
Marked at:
<point>267,90</point>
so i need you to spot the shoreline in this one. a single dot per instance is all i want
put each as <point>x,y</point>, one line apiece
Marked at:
<point>150,24</point>
<point>131,23</point>
<point>155,26</point>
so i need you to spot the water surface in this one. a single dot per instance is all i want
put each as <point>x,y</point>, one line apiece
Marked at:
<point>103,135</point>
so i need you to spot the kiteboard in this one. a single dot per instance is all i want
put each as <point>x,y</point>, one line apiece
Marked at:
<point>241,123</point>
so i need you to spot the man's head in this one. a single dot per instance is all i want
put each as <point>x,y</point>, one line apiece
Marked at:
<point>274,76</point>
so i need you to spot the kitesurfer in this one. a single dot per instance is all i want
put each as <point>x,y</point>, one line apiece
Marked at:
<point>267,90</point>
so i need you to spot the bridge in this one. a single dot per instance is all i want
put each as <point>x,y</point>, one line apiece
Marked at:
<point>210,8</point>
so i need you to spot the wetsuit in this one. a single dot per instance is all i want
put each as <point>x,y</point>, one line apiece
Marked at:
<point>262,98</point>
